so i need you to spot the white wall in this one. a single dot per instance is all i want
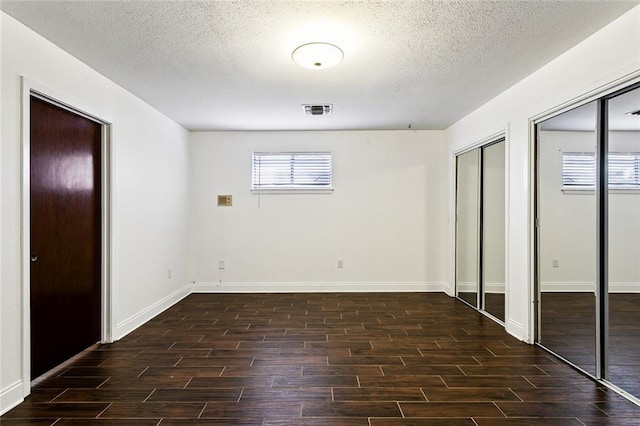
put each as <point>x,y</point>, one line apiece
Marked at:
<point>150,163</point>
<point>610,54</point>
<point>568,220</point>
<point>386,217</point>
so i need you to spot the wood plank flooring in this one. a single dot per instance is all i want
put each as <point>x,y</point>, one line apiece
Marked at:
<point>374,359</point>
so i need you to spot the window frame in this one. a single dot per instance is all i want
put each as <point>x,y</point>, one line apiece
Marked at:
<point>293,186</point>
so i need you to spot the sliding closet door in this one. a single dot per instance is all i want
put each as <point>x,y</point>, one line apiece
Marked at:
<point>566,235</point>
<point>467,226</point>
<point>623,199</point>
<point>480,228</point>
<point>493,224</point>
<point>588,237</point>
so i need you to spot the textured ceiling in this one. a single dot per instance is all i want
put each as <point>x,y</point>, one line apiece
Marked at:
<point>226,65</point>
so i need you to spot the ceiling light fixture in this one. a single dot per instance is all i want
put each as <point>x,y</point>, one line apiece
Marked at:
<point>317,56</point>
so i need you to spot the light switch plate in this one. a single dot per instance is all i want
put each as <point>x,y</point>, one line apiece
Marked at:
<point>225,200</point>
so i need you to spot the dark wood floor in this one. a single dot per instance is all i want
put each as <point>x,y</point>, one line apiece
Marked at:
<point>320,359</point>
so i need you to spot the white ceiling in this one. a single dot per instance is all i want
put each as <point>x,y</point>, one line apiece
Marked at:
<point>226,65</point>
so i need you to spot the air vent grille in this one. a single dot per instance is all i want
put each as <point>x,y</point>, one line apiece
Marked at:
<point>325,109</point>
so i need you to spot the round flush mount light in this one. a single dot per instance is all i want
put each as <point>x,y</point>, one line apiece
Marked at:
<point>317,56</point>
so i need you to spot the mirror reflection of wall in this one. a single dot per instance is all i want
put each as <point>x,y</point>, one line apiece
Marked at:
<point>467,226</point>
<point>493,224</point>
<point>480,210</point>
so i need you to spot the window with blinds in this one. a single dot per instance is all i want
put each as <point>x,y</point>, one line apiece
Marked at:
<point>290,171</point>
<point>579,170</point>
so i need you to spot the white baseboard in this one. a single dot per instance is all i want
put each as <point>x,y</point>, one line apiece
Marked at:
<point>517,330</point>
<point>584,286</point>
<point>127,326</point>
<point>11,396</point>
<point>308,287</point>
<point>449,290</point>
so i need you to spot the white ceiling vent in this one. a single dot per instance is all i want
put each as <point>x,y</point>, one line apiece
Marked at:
<point>325,109</point>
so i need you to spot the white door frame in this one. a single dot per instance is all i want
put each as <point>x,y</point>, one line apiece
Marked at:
<point>30,88</point>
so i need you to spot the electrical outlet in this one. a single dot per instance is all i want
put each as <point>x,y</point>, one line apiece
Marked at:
<point>555,263</point>
<point>169,272</point>
<point>340,263</point>
<point>221,264</point>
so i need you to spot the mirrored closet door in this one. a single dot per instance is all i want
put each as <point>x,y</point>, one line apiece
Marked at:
<point>588,238</point>
<point>623,252</point>
<point>567,236</point>
<point>480,224</point>
<point>493,224</point>
<point>468,226</point>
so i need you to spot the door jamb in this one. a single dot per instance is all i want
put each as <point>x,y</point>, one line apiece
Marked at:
<point>29,88</point>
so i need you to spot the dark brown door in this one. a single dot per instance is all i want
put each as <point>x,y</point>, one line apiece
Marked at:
<point>65,234</point>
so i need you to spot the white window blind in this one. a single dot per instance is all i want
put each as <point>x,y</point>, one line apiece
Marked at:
<point>624,170</point>
<point>579,170</point>
<point>292,171</point>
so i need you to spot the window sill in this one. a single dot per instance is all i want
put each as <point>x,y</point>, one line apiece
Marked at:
<point>588,191</point>
<point>302,191</point>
